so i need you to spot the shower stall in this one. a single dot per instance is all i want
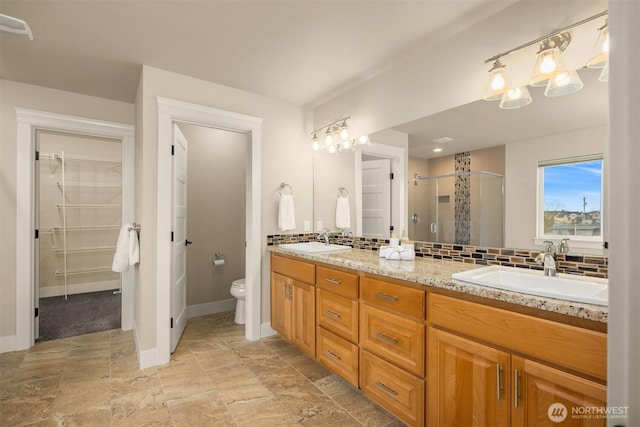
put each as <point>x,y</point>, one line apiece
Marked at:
<point>463,208</point>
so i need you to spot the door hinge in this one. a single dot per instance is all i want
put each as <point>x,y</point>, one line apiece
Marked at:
<point>605,245</point>
<point>37,233</point>
<point>172,236</point>
<point>391,228</point>
<point>37,155</point>
<point>172,323</point>
<point>36,314</point>
<point>391,175</point>
<point>173,150</point>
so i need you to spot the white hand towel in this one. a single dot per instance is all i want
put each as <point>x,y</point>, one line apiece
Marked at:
<point>134,247</point>
<point>286,213</point>
<point>121,257</point>
<point>343,215</point>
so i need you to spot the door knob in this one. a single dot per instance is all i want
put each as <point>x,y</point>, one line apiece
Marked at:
<point>187,242</point>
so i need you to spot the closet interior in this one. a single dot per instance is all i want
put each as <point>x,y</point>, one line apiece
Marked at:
<point>79,214</point>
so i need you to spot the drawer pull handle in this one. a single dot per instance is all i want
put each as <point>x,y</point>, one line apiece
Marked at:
<point>386,297</point>
<point>386,338</point>
<point>389,390</point>
<point>332,314</point>
<point>333,355</point>
<point>333,282</point>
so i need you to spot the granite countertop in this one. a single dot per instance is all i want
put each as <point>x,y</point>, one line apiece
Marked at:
<point>437,273</point>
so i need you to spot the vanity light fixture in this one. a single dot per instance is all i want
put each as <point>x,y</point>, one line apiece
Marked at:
<point>337,138</point>
<point>549,69</point>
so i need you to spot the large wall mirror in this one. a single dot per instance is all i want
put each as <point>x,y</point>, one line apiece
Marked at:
<point>482,186</point>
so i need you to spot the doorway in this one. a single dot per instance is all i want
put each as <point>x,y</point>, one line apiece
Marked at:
<point>78,215</point>
<point>171,112</point>
<point>28,123</point>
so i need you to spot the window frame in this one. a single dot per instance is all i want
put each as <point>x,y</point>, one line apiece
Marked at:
<point>577,241</point>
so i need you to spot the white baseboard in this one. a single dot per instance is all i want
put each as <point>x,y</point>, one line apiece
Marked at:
<point>79,288</point>
<point>7,344</point>
<point>146,358</point>
<point>266,330</point>
<point>211,308</point>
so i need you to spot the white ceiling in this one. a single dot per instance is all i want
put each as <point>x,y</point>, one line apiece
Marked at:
<point>302,52</point>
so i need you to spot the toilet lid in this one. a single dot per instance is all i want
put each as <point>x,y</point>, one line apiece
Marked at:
<point>239,282</point>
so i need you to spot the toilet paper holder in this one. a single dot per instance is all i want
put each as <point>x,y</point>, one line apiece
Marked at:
<point>218,259</point>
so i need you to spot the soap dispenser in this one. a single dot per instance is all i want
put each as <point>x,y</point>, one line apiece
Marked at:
<point>394,242</point>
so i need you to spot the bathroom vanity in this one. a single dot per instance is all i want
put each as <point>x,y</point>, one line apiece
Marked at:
<point>437,351</point>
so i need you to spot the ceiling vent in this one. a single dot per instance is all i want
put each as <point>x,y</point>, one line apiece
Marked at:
<point>15,26</point>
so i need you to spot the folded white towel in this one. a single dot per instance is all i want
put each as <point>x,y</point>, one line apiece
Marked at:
<point>127,249</point>
<point>343,214</point>
<point>403,252</point>
<point>134,247</point>
<point>286,213</point>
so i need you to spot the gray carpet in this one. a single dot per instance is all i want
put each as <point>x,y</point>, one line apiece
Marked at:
<point>78,315</point>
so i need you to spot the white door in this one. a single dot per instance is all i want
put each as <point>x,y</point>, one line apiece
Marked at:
<point>179,236</point>
<point>376,198</point>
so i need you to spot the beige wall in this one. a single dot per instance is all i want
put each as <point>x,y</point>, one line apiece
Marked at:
<point>216,186</point>
<point>21,95</point>
<point>521,177</point>
<point>285,157</point>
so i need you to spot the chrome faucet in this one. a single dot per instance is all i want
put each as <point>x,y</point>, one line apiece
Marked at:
<point>548,259</point>
<point>563,246</point>
<point>325,234</point>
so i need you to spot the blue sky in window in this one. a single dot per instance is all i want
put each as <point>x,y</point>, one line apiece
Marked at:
<point>566,185</point>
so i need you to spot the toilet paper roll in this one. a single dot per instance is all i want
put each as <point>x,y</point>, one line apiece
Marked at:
<point>218,262</point>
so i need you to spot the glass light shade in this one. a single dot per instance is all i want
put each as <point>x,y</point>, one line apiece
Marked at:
<point>346,145</point>
<point>332,149</point>
<point>604,76</point>
<point>363,140</point>
<point>344,132</point>
<point>497,84</point>
<point>328,139</point>
<point>563,85</point>
<point>517,97</point>
<point>548,65</point>
<point>600,53</point>
<point>315,146</point>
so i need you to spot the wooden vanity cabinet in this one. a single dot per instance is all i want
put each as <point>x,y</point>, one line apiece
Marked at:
<point>337,322</point>
<point>481,369</point>
<point>293,302</point>
<point>392,347</point>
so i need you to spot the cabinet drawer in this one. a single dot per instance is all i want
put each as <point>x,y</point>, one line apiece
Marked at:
<point>395,338</point>
<point>575,348</point>
<point>396,390</point>
<point>337,354</point>
<point>338,314</point>
<point>299,270</point>
<point>394,297</point>
<point>342,283</point>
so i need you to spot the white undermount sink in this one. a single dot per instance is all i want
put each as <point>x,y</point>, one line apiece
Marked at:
<point>566,287</point>
<point>313,247</point>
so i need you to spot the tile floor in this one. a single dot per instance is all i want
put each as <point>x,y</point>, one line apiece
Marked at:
<point>215,378</point>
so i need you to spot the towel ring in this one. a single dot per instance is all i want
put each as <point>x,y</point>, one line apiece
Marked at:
<point>283,187</point>
<point>343,192</point>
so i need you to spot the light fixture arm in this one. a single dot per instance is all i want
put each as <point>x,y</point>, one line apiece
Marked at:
<point>546,37</point>
<point>331,125</point>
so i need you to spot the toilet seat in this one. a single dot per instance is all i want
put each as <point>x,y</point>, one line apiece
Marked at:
<point>239,290</point>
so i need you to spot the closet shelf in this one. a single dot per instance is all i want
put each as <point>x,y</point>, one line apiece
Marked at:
<point>85,249</point>
<point>90,185</point>
<point>88,205</point>
<point>80,228</point>
<point>55,156</point>
<point>84,270</point>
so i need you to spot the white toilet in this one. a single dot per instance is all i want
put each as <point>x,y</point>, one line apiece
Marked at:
<point>239,290</point>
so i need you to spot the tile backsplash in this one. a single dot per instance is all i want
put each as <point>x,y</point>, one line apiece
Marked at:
<point>583,265</point>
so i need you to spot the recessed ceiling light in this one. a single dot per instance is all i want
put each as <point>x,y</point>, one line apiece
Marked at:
<point>442,140</point>
<point>437,150</point>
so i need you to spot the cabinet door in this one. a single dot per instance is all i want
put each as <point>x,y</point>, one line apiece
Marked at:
<point>280,305</point>
<point>467,382</point>
<point>545,396</point>
<point>303,317</point>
